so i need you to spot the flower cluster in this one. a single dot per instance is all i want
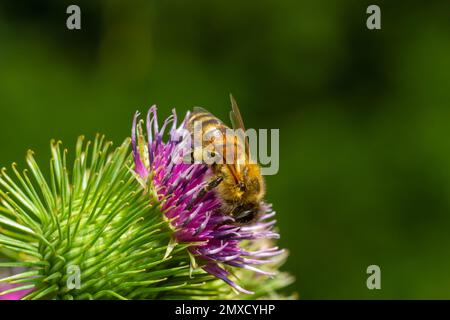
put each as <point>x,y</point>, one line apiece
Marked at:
<point>218,243</point>
<point>148,232</point>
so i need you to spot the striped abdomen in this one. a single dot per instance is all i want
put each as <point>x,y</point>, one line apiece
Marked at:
<point>207,130</point>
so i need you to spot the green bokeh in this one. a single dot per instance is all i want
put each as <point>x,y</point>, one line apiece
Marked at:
<point>364,116</point>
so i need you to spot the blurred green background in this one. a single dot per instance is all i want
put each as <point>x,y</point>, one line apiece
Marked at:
<point>364,116</point>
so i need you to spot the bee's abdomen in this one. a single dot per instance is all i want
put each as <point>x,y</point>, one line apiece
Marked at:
<point>207,125</point>
<point>204,119</point>
<point>208,129</point>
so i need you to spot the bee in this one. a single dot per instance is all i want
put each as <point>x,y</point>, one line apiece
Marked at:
<point>239,185</point>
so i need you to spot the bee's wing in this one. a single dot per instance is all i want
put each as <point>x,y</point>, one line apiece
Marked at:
<point>200,110</point>
<point>235,115</point>
<point>237,122</point>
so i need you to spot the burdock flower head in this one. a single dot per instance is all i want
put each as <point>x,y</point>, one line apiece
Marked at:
<point>218,244</point>
<point>107,223</point>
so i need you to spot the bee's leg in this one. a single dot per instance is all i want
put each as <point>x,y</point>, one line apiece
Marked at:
<point>211,185</point>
